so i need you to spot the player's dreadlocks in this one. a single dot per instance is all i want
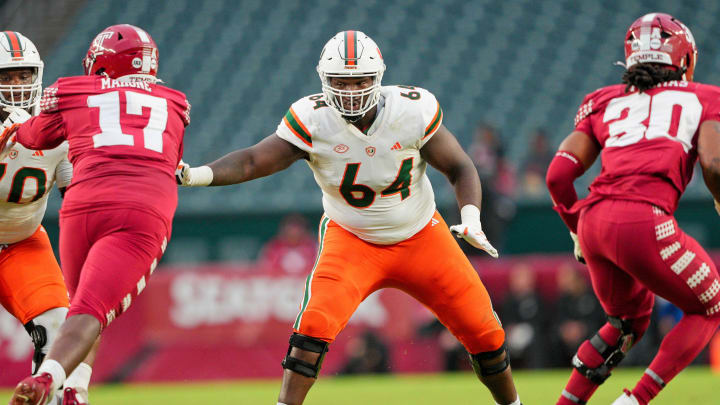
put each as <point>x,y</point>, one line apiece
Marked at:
<point>645,76</point>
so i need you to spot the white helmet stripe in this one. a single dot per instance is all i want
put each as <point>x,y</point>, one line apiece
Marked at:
<point>645,31</point>
<point>142,34</point>
<point>649,17</point>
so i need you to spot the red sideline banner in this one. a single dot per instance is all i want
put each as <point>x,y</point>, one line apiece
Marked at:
<point>230,321</point>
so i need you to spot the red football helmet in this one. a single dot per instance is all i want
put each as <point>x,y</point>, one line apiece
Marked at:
<point>122,50</point>
<point>661,38</point>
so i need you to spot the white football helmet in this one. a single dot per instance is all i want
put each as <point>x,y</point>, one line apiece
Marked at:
<point>351,54</point>
<point>16,51</point>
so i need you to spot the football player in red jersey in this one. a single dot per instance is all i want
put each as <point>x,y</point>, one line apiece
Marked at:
<point>125,134</point>
<point>651,130</point>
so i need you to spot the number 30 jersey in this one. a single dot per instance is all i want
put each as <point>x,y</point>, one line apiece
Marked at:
<point>648,139</point>
<point>26,178</point>
<point>374,185</point>
<point>125,140</point>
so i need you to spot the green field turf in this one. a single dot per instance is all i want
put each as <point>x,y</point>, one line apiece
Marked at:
<point>696,386</point>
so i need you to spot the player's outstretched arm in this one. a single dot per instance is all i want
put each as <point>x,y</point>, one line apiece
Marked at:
<point>709,155</point>
<point>266,157</point>
<point>444,153</point>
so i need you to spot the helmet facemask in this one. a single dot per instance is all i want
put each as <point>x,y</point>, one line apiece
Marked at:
<point>358,102</point>
<point>25,95</point>
<point>22,71</point>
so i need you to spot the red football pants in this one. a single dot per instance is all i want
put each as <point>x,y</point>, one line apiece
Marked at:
<point>107,257</point>
<point>635,249</point>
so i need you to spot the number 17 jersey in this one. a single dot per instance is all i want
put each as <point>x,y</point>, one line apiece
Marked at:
<point>125,140</point>
<point>374,185</point>
<point>649,139</point>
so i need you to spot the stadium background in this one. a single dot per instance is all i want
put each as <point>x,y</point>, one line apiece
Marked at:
<point>518,66</point>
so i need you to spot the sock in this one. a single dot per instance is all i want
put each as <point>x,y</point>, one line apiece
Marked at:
<point>80,377</point>
<point>678,349</point>
<point>80,380</point>
<point>55,370</point>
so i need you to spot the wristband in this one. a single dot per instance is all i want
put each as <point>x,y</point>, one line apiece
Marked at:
<point>470,214</point>
<point>200,176</point>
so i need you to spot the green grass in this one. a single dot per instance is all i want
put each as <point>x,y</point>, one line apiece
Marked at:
<point>696,386</point>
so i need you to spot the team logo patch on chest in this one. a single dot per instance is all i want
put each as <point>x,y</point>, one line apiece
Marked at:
<point>370,150</point>
<point>341,148</point>
<point>13,154</point>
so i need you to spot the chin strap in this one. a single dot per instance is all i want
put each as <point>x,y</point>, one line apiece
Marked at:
<point>352,118</point>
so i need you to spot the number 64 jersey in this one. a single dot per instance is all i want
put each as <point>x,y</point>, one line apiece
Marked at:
<point>125,140</point>
<point>374,185</point>
<point>648,139</point>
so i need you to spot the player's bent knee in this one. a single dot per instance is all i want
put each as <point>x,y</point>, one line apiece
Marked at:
<point>629,332</point>
<point>308,344</point>
<point>42,330</point>
<point>487,341</point>
<point>316,323</point>
<point>490,363</point>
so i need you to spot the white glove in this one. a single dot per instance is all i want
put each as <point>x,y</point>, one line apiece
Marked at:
<point>193,176</point>
<point>471,230</point>
<point>16,115</point>
<point>576,249</point>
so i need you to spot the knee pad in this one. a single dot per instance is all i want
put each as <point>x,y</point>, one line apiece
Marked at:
<point>42,330</point>
<point>479,360</point>
<point>309,344</point>
<point>626,333</point>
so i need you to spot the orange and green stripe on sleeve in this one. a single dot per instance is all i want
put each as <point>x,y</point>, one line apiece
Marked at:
<point>435,123</point>
<point>297,127</point>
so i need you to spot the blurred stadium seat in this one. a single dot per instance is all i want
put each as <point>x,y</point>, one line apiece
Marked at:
<point>519,65</point>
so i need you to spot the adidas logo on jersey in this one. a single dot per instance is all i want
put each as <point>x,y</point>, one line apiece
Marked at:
<point>434,222</point>
<point>397,146</point>
<point>38,153</point>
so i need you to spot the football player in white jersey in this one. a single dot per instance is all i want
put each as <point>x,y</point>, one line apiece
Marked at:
<point>368,147</point>
<point>32,287</point>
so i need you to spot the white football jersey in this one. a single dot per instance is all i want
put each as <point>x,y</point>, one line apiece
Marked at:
<point>26,177</point>
<point>374,185</point>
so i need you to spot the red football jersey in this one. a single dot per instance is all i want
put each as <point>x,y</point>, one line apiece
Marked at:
<point>125,138</point>
<point>648,139</point>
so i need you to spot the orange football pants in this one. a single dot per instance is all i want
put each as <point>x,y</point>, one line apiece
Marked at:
<point>429,266</point>
<point>30,278</point>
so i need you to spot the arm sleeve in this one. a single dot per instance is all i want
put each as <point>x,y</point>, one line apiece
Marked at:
<point>432,116</point>
<point>45,131</point>
<point>564,169</point>
<point>294,128</point>
<point>63,173</point>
